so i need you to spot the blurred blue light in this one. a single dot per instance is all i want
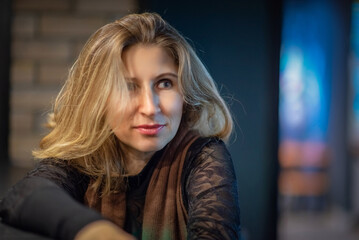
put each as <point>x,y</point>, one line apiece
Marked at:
<point>355,73</point>
<point>304,74</point>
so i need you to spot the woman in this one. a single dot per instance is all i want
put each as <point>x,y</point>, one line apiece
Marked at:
<point>135,149</point>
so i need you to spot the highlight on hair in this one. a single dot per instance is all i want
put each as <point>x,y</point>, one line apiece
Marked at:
<point>80,134</point>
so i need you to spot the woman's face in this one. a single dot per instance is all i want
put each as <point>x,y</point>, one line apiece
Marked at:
<point>154,113</point>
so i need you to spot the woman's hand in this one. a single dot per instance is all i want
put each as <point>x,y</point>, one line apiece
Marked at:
<point>103,230</point>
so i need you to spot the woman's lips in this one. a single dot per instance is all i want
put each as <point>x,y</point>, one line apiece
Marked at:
<point>150,129</point>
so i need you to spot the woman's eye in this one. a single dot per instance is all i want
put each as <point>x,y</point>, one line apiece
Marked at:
<point>131,86</point>
<point>165,84</point>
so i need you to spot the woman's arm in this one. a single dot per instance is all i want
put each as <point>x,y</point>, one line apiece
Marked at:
<point>49,201</point>
<point>212,195</point>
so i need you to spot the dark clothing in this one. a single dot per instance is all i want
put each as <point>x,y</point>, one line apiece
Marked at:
<point>50,199</point>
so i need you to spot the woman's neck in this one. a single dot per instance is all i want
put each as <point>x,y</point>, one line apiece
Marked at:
<point>134,167</point>
<point>135,160</point>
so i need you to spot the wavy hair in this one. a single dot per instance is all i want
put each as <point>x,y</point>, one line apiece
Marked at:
<point>80,133</point>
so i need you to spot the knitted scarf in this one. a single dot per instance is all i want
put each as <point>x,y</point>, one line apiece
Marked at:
<point>165,216</point>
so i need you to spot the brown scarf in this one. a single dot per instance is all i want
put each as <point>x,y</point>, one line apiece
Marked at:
<point>165,216</point>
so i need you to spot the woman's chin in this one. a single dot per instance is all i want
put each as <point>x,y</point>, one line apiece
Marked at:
<point>150,148</point>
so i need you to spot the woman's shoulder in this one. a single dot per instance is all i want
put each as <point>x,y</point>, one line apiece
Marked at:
<point>205,153</point>
<point>205,147</point>
<point>63,174</point>
<point>54,168</point>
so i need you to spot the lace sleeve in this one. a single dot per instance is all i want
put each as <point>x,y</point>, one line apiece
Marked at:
<point>211,189</point>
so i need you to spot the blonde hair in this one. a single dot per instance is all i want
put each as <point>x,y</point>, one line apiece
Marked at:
<point>80,133</point>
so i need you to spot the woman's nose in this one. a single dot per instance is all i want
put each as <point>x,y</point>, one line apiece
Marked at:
<point>149,104</point>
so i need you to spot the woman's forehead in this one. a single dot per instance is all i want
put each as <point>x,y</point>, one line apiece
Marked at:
<point>148,59</point>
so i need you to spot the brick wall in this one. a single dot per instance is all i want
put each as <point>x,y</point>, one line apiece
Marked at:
<point>47,36</point>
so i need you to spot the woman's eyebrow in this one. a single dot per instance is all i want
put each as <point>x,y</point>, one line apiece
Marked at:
<point>129,79</point>
<point>167,74</point>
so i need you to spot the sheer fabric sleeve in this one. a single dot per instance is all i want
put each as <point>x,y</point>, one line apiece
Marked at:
<point>212,195</point>
<point>49,201</point>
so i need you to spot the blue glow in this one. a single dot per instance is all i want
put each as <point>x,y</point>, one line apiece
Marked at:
<point>355,73</point>
<point>304,72</point>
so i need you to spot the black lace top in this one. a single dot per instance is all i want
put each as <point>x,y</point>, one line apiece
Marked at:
<point>49,200</point>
